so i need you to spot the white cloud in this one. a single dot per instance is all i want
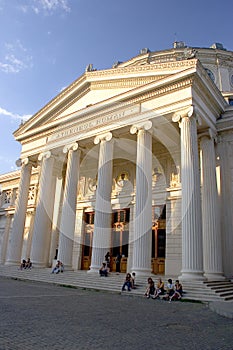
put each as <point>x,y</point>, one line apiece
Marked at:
<point>16,58</point>
<point>11,115</point>
<point>46,7</point>
<point>49,6</point>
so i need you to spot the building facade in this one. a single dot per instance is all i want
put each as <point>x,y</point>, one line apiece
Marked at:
<point>137,160</point>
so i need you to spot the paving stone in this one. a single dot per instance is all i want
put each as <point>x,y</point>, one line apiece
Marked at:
<point>44,316</point>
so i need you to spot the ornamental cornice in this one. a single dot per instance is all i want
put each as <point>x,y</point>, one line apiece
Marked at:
<point>88,76</point>
<point>124,83</point>
<point>180,65</point>
<point>137,100</point>
<point>163,90</point>
<point>105,111</point>
<point>11,178</point>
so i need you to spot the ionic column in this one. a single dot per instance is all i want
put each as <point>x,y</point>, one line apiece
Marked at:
<point>212,247</point>
<point>56,218</point>
<point>66,234</point>
<point>3,249</point>
<point>103,211</point>
<point>143,206</point>
<point>226,200</point>
<point>44,212</point>
<point>192,247</point>
<point>16,236</point>
<point>131,238</point>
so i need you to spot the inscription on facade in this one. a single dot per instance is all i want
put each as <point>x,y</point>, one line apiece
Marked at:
<point>93,124</point>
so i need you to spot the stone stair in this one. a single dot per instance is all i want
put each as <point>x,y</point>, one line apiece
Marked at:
<point>224,289</point>
<point>194,291</point>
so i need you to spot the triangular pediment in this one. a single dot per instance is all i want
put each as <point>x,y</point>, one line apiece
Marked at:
<point>95,87</point>
<point>86,93</point>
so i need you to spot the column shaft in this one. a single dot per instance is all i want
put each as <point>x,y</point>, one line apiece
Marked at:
<point>212,249</point>
<point>143,211</point>
<point>16,236</point>
<point>192,249</point>
<point>66,235</point>
<point>5,239</point>
<point>44,213</point>
<point>103,210</point>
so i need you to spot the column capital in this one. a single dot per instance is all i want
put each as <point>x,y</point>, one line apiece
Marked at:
<point>44,155</point>
<point>145,125</point>
<point>187,112</point>
<point>24,161</point>
<point>209,134</point>
<point>72,146</point>
<point>103,137</point>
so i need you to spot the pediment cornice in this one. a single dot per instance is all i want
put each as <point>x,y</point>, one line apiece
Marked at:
<point>120,102</point>
<point>154,68</point>
<point>113,78</point>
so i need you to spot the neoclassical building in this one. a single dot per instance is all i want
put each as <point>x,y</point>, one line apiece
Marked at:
<point>136,159</point>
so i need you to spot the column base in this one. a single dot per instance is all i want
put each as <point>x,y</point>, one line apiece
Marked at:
<point>192,275</point>
<point>39,265</point>
<point>94,269</point>
<point>214,276</point>
<point>12,263</point>
<point>141,272</point>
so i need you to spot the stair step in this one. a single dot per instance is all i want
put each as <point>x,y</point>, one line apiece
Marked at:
<point>194,290</point>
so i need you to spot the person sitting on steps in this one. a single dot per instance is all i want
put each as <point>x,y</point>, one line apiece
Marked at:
<point>150,290</point>
<point>23,264</point>
<point>127,282</point>
<point>28,264</point>
<point>159,289</point>
<point>103,271</point>
<point>58,268</point>
<point>133,280</point>
<point>170,290</point>
<point>178,291</point>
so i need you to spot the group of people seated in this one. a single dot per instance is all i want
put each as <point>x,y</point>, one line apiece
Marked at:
<point>26,264</point>
<point>170,292</point>
<point>129,282</point>
<point>59,267</point>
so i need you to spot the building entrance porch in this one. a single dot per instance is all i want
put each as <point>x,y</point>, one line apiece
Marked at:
<point>120,239</point>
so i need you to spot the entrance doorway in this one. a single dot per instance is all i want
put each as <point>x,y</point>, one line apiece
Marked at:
<point>158,252</point>
<point>88,237</point>
<point>120,238</point>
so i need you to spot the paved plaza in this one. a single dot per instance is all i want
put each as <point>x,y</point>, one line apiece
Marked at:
<point>42,316</point>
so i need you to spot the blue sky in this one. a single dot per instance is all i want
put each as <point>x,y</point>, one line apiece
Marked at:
<point>46,44</point>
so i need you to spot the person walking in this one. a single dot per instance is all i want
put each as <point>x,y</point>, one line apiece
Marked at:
<point>118,262</point>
